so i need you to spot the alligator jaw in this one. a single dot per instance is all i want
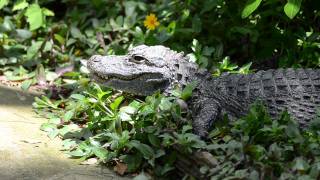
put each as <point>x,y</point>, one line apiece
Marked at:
<point>141,84</point>
<point>105,78</point>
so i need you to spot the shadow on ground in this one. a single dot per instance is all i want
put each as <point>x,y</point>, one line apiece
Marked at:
<point>27,153</point>
<point>10,96</point>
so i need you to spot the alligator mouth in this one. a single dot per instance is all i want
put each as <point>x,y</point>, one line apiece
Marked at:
<point>106,78</point>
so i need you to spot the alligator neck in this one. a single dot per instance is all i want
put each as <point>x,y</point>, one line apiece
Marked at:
<point>185,72</point>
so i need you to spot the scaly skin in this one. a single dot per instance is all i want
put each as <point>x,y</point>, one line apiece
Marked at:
<point>147,69</point>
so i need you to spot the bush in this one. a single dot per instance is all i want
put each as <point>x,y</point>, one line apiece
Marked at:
<point>276,33</point>
<point>43,42</point>
<point>143,136</point>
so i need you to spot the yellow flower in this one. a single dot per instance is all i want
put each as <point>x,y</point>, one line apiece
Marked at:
<point>151,21</point>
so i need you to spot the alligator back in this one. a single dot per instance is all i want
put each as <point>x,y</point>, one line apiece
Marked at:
<point>297,90</point>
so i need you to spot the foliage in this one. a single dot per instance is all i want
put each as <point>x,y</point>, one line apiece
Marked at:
<point>142,135</point>
<point>94,123</point>
<point>291,8</point>
<point>59,34</point>
<point>261,148</point>
<point>44,42</point>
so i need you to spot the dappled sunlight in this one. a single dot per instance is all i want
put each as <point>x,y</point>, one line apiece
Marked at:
<point>197,89</point>
<point>15,97</point>
<point>30,167</point>
<point>26,152</point>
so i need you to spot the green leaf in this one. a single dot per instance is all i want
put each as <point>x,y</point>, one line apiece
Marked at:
<point>77,153</point>
<point>241,174</point>
<point>78,96</point>
<point>115,104</point>
<point>171,28</point>
<point>23,34</point>
<point>293,131</point>
<point>7,25</point>
<point>192,57</point>
<point>100,152</point>
<point>133,161</point>
<point>40,75</point>
<point>245,69</point>
<point>75,32</point>
<point>33,49</point>
<point>315,170</point>
<point>139,37</point>
<point>60,39</point>
<point>250,7</point>
<point>207,51</point>
<point>54,120</point>
<point>300,164</point>
<point>124,116</point>
<point>19,5</point>
<point>154,140</point>
<point>196,47</point>
<point>292,8</point>
<point>47,12</point>
<point>196,24</point>
<point>203,62</point>
<point>163,36</point>
<point>3,3</point>
<point>130,7</point>
<point>186,128</point>
<point>165,104</point>
<point>68,129</point>
<point>51,76</point>
<point>54,133</point>
<point>47,127</point>
<point>254,175</point>
<point>69,144</point>
<point>226,65</point>
<point>34,16</point>
<point>128,109</point>
<point>68,116</point>
<point>141,176</point>
<point>305,177</point>
<point>26,84</point>
<point>187,91</point>
<point>144,149</point>
<point>44,102</point>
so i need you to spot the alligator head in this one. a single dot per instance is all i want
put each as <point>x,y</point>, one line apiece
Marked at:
<point>144,70</point>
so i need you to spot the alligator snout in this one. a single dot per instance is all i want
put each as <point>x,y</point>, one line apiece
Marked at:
<point>95,58</point>
<point>93,61</point>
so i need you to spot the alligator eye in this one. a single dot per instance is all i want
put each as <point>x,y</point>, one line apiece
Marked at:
<point>139,58</point>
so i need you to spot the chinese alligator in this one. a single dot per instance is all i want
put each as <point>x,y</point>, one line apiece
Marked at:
<point>146,69</point>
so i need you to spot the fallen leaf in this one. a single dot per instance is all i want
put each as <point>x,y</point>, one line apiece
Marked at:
<point>90,161</point>
<point>120,168</point>
<point>31,141</point>
<point>61,70</point>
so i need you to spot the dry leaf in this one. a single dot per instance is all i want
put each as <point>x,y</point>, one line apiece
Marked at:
<point>31,141</point>
<point>90,161</point>
<point>120,168</point>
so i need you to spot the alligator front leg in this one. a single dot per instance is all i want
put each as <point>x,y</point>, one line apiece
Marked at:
<point>205,113</point>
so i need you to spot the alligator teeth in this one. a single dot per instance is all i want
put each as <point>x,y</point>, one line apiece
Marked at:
<point>103,76</point>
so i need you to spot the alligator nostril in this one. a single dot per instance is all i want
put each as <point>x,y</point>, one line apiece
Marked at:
<point>95,58</point>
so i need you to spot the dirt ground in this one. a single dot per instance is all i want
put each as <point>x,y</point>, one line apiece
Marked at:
<point>26,153</point>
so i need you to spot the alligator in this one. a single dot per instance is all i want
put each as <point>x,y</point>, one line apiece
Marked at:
<point>147,69</point>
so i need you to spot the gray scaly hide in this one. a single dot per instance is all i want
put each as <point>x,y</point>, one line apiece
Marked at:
<point>146,69</point>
